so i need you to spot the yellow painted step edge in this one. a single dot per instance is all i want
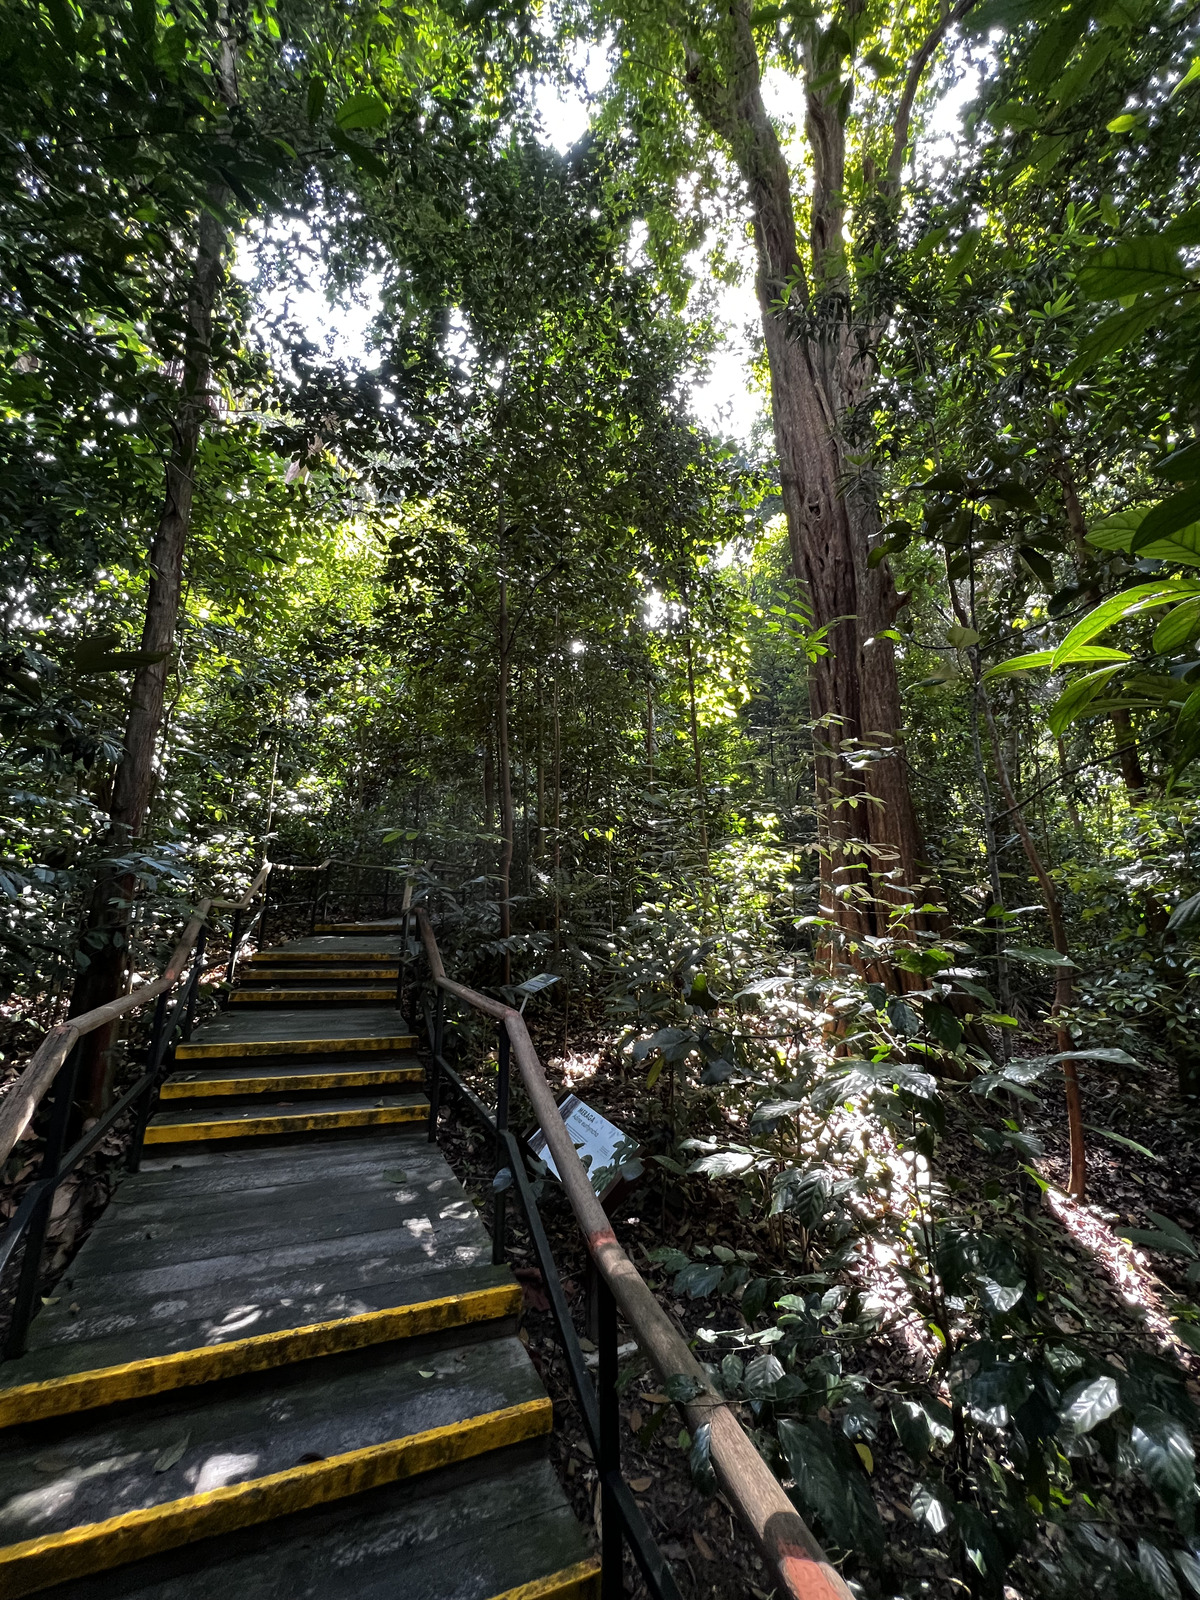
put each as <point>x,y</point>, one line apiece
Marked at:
<point>237,1048</point>
<point>580,1582</point>
<point>310,1122</point>
<point>284,1082</point>
<point>342,974</point>
<point>182,1369</point>
<point>267,958</point>
<point>96,1546</point>
<point>263,997</point>
<point>363,928</point>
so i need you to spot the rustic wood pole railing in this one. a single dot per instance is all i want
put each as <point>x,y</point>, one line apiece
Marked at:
<point>799,1569</point>
<point>22,1100</point>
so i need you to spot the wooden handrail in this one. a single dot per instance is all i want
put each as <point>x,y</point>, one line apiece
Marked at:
<point>799,1567</point>
<point>22,1100</point>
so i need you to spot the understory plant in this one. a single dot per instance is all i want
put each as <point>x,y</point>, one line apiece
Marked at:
<point>905,1327</point>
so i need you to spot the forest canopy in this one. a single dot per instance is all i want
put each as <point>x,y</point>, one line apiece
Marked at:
<point>843,765</point>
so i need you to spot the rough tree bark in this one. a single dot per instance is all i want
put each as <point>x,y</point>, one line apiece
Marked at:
<point>821,357</point>
<point>106,932</point>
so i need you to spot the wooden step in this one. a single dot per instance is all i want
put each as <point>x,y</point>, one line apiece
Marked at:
<point>311,997</point>
<point>291,1033</point>
<point>380,948</point>
<point>207,1264</point>
<point>358,929</point>
<point>203,1464</point>
<point>300,1077</point>
<point>495,1527</point>
<point>304,974</point>
<point>184,1126</point>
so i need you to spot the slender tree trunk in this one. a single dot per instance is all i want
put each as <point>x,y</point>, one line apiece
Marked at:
<point>698,764</point>
<point>541,772</point>
<point>505,773</point>
<point>556,781</point>
<point>489,789</point>
<point>106,938</point>
<point>1064,985</point>
<point>649,737</point>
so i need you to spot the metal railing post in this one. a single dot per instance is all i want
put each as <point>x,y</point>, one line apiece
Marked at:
<point>193,991</point>
<point>39,1221</point>
<point>154,1055</point>
<point>612,1542</point>
<point>235,939</point>
<point>262,920</point>
<point>435,1071</point>
<point>402,964</point>
<point>499,1196</point>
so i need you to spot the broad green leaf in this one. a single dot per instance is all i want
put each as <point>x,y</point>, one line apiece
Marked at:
<point>933,1505</point>
<point>1117,533</point>
<point>1190,76</point>
<point>1121,607</point>
<point>1181,465</point>
<point>1044,956</point>
<point>961,638</point>
<point>1168,518</point>
<point>1164,1452</point>
<point>1077,696</point>
<point>1115,332</point>
<point>365,110</point>
<point>366,160</point>
<point>1132,267</point>
<point>315,101</point>
<point>1038,564</point>
<point>1089,1404</point>
<point>1045,658</point>
<point>1178,628</point>
<point>1185,915</point>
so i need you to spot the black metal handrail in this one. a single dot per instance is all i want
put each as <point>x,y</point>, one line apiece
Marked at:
<point>31,1219</point>
<point>621,1519</point>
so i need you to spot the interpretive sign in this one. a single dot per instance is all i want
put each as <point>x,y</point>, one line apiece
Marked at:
<point>602,1147</point>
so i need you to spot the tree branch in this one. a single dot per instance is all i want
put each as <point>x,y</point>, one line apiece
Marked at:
<point>903,118</point>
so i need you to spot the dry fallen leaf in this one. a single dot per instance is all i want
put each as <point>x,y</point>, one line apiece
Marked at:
<point>640,1485</point>
<point>703,1546</point>
<point>865,1456</point>
<point>655,1399</point>
<point>635,1420</point>
<point>170,1454</point>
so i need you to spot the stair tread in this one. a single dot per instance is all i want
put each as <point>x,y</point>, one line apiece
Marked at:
<point>186,1116</point>
<point>233,1252</point>
<point>55,1476</point>
<point>342,1029</point>
<point>246,1077</point>
<point>329,973</point>
<point>471,1534</point>
<point>332,948</point>
<point>295,995</point>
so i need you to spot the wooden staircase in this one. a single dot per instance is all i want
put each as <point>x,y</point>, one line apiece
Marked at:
<point>284,1365</point>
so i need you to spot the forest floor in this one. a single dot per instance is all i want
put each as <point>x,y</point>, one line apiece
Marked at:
<point>1097,1283</point>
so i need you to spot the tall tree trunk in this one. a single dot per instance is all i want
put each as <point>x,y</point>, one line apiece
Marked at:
<point>504,761</point>
<point>819,371</point>
<point>696,759</point>
<point>106,938</point>
<point>556,781</point>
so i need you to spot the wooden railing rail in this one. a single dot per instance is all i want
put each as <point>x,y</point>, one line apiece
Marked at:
<point>798,1567</point>
<point>23,1099</point>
